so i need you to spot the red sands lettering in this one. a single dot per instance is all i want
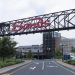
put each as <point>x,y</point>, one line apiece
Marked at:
<point>34,23</point>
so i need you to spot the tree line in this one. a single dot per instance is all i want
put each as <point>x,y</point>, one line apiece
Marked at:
<point>7,47</point>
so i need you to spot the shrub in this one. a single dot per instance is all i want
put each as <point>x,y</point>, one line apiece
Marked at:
<point>71,62</point>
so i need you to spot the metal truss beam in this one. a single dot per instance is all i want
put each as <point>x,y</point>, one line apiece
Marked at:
<point>63,20</point>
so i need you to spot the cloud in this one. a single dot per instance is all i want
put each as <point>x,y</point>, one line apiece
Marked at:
<point>18,9</point>
<point>18,15</point>
<point>30,39</point>
<point>59,5</point>
<point>15,9</point>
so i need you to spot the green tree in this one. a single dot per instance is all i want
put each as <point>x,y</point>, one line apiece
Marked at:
<point>73,50</point>
<point>58,53</point>
<point>7,47</point>
<point>29,54</point>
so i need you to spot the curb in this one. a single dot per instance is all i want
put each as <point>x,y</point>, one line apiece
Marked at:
<point>71,67</point>
<point>15,67</point>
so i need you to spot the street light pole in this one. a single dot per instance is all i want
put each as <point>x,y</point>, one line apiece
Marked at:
<point>48,49</point>
<point>21,55</point>
<point>38,54</point>
<point>62,52</point>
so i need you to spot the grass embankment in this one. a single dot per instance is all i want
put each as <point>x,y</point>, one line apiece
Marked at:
<point>8,62</point>
<point>72,62</point>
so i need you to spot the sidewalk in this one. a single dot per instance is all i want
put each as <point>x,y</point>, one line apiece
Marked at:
<point>66,65</point>
<point>5,69</point>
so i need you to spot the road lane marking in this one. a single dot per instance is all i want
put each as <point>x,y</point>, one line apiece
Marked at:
<point>49,63</point>
<point>43,66</point>
<point>36,63</point>
<point>52,66</point>
<point>6,74</point>
<point>52,61</point>
<point>65,68</point>
<point>32,68</point>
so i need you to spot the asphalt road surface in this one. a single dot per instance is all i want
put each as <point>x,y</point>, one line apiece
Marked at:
<point>42,67</point>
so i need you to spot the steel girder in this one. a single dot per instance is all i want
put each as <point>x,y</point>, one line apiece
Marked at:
<point>63,20</point>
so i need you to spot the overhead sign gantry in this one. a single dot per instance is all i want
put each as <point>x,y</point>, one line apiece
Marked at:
<point>63,20</point>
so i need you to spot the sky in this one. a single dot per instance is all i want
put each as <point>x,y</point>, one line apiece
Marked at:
<point>18,9</point>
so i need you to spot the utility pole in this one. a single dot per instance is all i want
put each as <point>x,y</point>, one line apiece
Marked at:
<point>38,54</point>
<point>21,55</point>
<point>62,52</point>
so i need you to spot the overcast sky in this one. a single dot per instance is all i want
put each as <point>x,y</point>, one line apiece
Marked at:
<point>18,9</point>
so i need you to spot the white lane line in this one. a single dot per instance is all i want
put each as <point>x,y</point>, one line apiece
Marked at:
<point>43,66</point>
<point>32,68</point>
<point>49,63</point>
<point>5,74</point>
<point>65,68</point>
<point>52,66</point>
<point>36,63</point>
<point>52,61</point>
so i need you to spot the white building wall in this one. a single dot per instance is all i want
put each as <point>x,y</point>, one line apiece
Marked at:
<point>33,48</point>
<point>67,44</point>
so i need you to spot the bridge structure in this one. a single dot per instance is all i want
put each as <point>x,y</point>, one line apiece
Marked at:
<point>62,20</point>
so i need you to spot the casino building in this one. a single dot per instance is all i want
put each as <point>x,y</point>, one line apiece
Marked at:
<point>51,42</point>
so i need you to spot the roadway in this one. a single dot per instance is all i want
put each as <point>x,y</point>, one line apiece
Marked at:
<point>42,67</point>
